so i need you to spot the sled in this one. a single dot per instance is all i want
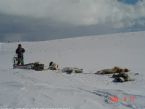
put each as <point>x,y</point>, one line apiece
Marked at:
<point>30,66</point>
<point>25,66</point>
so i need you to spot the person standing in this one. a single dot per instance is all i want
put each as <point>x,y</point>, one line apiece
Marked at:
<point>20,51</point>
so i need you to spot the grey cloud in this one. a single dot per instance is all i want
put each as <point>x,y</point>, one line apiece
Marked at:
<point>53,19</point>
<point>16,28</point>
<point>76,12</point>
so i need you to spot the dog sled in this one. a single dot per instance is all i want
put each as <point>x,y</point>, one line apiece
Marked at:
<point>30,66</point>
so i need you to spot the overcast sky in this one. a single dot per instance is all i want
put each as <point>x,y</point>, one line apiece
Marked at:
<point>51,19</point>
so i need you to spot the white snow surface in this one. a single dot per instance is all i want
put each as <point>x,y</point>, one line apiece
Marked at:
<point>56,90</point>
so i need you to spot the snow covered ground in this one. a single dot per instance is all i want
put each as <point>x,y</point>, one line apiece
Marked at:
<point>56,90</point>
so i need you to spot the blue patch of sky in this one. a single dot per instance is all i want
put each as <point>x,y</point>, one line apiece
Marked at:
<point>130,2</point>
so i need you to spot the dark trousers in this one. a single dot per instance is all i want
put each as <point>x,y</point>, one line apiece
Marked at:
<point>20,61</point>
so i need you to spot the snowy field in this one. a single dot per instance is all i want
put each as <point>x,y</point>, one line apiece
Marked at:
<point>56,90</point>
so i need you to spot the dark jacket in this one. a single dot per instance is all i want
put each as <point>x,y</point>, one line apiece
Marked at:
<point>20,52</point>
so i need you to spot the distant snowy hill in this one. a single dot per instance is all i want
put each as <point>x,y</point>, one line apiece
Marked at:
<point>54,89</point>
